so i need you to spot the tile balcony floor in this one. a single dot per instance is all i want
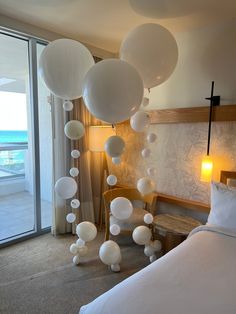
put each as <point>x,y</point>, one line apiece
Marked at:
<point>17,214</point>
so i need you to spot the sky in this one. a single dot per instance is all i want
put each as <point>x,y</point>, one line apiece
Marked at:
<point>13,111</point>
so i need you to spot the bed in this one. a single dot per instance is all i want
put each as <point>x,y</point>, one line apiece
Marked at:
<point>196,277</point>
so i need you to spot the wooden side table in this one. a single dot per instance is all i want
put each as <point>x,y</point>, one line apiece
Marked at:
<point>171,230</point>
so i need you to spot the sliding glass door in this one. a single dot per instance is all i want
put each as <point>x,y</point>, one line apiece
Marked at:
<point>25,141</point>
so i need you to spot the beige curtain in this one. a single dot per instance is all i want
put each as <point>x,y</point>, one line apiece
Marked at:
<point>91,167</point>
<point>60,166</point>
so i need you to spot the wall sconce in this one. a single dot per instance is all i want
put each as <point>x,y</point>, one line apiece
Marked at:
<point>207,163</point>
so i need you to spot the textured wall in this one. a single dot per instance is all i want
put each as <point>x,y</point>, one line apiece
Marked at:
<point>177,156</point>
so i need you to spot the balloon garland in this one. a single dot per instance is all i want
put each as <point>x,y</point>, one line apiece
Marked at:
<point>113,92</point>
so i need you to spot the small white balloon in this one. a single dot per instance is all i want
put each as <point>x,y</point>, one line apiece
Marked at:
<point>115,229</point>
<point>121,208</point>
<point>80,243</point>
<point>76,259</point>
<point>74,129</point>
<point>142,235</point>
<point>86,231</point>
<point>146,185</point>
<point>115,268</point>
<point>114,146</point>
<point>83,250</point>
<point>74,171</point>
<point>145,101</point>
<point>70,218</point>
<point>140,121</point>
<point>156,245</point>
<point>148,218</point>
<point>109,253</point>
<point>75,203</point>
<point>116,160</point>
<point>74,248</point>
<point>151,137</point>
<point>152,258</point>
<point>111,180</point>
<point>148,251</point>
<point>75,153</point>
<point>67,105</point>
<point>146,152</point>
<point>151,171</point>
<point>66,187</point>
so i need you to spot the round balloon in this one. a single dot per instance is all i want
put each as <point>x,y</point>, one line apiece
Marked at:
<point>148,250</point>
<point>156,245</point>
<point>74,171</point>
<point>153,51</point>
<point>146,185</point>
<point>148,218</point>
<point>142,235</point>
<point>75,203</point>
<point>74,129</point>
<point>113,90</point>
<point>121,208</point>
<point>68,105</point>
<point>151,171</point>
<point>70,218</point>
<point>114,146</point>
<point>83,250</point>
<point>86,231</point>
<point>75,153</point>
<point>146,152</point>
<point>151,137</point>
<point>140,121</point>
<point>66,187</point>
<point>80,243</point>
<point>152,258</point>
<point>76,259</point>
<point>111,180</point>
<point>116,160</point>
<point>164,9</point>
<point>115,229</point>
<point>109,253</point>
<point>63,65</point>
<point>74,248</point>
<point>115,268</point>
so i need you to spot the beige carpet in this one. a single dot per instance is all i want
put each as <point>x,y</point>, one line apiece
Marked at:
<point>37,276</point>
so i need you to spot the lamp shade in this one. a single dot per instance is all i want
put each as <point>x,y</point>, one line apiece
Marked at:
<point>206,169</point>
<point>98,135</point>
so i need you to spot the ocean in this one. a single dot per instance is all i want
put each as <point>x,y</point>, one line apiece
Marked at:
<point>13,136</point>
<point>13,160</point>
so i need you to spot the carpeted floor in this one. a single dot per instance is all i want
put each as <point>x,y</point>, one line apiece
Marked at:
<point>37,276</point>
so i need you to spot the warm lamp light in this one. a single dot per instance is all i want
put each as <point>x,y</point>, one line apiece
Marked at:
<point>98,134</point>
<point>206,169</point>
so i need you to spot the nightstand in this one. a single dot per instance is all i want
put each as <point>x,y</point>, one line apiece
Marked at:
<point>171,230</point>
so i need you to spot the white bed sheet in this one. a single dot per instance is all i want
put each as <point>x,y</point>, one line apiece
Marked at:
<point>198,276</point>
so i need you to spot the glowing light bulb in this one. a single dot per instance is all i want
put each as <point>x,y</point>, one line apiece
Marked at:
<point>206,169</point>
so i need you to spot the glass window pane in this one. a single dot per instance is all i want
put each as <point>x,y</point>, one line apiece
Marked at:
<point>17,214</point>
<point>45,147</point>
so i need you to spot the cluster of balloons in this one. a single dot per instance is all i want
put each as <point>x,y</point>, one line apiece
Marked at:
<point>86,232</point>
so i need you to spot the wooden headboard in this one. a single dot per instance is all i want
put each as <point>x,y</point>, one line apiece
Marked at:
<point>225,175</point>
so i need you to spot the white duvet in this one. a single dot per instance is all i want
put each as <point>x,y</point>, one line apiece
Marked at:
<point>197,277</point>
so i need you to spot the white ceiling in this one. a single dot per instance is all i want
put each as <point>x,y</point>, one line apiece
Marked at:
<point>103,23</point>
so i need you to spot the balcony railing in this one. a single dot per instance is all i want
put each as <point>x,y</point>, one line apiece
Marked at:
<point>12,160</point>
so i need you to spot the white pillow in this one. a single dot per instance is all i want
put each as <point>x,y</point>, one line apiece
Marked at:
<point>223,206</point>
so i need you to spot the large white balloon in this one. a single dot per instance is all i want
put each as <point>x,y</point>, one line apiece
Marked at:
<point>65,187</point>
<point>109,253</point>
<point>164,9</point>
<point>121,208</point>
<point>63,65</point>
<point>140,121</point>
<point>114,146</point>
<point>142,235</point>
<point>113,90</point>
<point>86,231</point>
<point>146,185</point>
<point>153,51</point>
<point>74,129</point>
